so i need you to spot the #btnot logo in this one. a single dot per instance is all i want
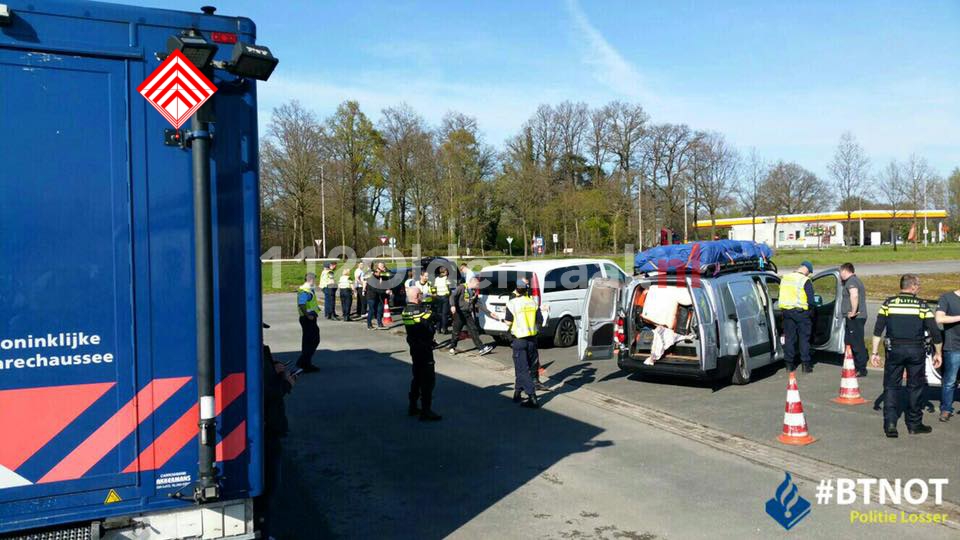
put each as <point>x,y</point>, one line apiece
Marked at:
<point>176,88</point>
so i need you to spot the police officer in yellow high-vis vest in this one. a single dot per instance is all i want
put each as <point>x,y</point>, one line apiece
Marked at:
<point>329,285</point>
<point>796,296</point>
<point>309,309</point>
<point>524,318</point>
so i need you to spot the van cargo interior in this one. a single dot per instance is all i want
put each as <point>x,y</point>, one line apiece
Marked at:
<point>665,306</point>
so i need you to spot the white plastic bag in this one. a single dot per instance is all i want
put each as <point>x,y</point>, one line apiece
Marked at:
<point>933,374</point>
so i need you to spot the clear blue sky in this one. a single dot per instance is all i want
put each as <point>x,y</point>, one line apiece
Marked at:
<point>784,77</point>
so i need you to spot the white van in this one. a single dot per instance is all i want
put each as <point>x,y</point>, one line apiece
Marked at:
<point>560,286</point>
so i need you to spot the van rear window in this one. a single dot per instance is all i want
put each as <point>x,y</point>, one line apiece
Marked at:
<point>499,282</point>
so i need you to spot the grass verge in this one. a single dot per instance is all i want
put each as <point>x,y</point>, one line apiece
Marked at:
<point>931,285</point>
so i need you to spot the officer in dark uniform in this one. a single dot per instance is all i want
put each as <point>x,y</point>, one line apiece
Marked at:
<point>908,321</point>
<point>418,323</point>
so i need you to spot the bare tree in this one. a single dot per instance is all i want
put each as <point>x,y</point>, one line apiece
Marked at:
<point>850,171</point>
<point>403,133</point>
<point>890,184</point>
<point>952,200</point>
<point>290,161</point>
<point>668,149</point>
<point>597,143</point>
<point>917,177</point>
<point>718,176</point>
<point>790,189</point>
<point>626,126</point>
<point>751,188</point>
<point>546,136</point>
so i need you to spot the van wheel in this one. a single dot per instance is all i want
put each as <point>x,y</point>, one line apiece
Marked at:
<point>566,333</point>
<point>741,372</point>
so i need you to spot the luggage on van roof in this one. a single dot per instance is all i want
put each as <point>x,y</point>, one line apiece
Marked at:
<point>704,257</point>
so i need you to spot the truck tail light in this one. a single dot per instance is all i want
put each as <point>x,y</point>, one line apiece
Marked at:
<point>228,38</point>
<point>618,336</point>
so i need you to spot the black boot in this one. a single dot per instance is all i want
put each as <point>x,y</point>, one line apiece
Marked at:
<point>919,429</point>
<point>890,430</point>
<point>516,396</point>
<point>531,403</point>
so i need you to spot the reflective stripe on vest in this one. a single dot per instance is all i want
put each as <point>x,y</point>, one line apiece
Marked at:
<point>442,284</point>
<point>311,304</point>
<point>792,293</point>
<point>524,310</point>
<point>410,319</point>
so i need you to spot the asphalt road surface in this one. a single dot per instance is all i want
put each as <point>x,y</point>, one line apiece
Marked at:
<point>608,456</point>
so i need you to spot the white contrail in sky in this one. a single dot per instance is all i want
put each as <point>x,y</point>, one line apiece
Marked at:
<point>609,67</point>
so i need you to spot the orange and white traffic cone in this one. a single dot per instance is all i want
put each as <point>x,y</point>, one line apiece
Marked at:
<point>794,424</point>
<point>387,318</point>
<point>849,386</point>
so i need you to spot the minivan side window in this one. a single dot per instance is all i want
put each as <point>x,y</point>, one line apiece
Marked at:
<point>570,278</point>
<point>614,273</point>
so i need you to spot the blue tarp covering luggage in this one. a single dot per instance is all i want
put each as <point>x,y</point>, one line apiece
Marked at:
<point>699,256</point>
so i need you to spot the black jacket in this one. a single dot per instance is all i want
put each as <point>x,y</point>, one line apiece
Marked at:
<point>418,322</point>
<point>906,318</point>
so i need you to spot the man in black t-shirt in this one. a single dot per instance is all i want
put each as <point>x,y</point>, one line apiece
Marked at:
<point>948,314</point>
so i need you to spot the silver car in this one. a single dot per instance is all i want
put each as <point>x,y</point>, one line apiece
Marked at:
<point>731,326</point>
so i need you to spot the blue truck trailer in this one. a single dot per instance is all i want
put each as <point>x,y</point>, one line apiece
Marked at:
<point>130,314</point>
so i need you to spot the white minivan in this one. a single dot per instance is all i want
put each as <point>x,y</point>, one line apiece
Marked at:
<point>560,285</point>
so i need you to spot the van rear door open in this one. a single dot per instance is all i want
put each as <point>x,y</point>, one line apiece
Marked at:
<point>706,322</point>
<point>828,321</point>
<point>752,318</point>
<point>601,307</point>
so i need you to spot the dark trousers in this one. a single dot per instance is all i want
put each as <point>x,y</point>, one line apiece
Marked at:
<point>374,311</point>
<point>443,313</point>
<point>346,302</point>
<point>424,377</point>
<point>434,305</point>
<point>309,341</point>
<point>910,358</point>
<point>853,336</point>
<point>361,304</point>
<point>467,320</point>
<point>797,326</point>
<point>524,361</point>
<point>329,302</point>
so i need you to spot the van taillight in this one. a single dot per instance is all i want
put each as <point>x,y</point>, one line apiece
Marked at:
<point>535,288</point>
<point>618,334</point>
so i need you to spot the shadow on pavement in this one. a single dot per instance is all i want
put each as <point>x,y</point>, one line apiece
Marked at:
<point>356,464</point>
